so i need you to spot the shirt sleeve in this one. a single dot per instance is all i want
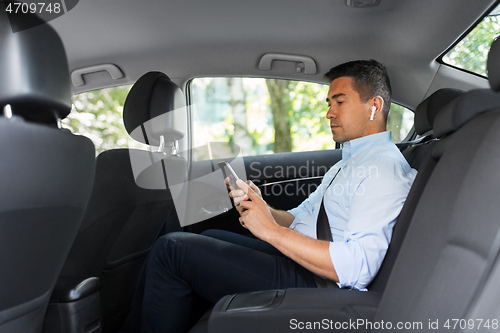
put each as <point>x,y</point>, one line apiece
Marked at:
<point>304,207</point>
<point>376,203</point>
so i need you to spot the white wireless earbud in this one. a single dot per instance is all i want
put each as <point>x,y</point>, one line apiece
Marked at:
<point>374,108</point>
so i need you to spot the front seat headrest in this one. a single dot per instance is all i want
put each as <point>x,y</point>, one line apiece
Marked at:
<point>462,109</point>
<point>428,109</point>
<point>34,74</point>
<point>158,105</point>
<point>493,65</point>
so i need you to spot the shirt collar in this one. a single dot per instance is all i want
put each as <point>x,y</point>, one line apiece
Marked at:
<point>351,148</point>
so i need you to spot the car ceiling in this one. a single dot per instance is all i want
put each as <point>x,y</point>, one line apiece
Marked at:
<point>195,38</point>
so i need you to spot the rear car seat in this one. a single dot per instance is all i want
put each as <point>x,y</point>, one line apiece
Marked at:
<point>485,302</point>
<point>424,120</point>
<point>456,219</point>
<point>444,251</point>
<point>418,157</point>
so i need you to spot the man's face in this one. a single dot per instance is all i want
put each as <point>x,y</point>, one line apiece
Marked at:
<point>348,115</point>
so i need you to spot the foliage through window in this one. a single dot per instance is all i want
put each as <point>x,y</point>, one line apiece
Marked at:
<point>98,115</point>
<point>264,116</point>
<point>471,52</point>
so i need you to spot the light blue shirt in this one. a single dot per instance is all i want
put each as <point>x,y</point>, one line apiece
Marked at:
<point>362,205</point>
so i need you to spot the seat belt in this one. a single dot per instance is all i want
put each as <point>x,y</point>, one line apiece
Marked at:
<point>323,232</point>
<point>425,139</point>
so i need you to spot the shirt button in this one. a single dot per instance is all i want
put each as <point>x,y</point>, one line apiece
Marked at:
<point>316,206</point>
<point>293,227</point>
<point>345,164</point>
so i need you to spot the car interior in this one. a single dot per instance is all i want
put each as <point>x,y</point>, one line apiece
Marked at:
<point>77,221</point>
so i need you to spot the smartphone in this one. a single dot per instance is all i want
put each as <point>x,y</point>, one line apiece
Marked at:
<point>228,171</point>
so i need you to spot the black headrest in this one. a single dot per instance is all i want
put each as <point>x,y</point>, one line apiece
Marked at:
<point>428,109</point>
<point>34,75</point>
<point>493,65</point>
<point>152,96</point>
<point>459,111</point>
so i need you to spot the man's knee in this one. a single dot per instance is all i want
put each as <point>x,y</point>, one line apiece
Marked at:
<point>168,244</point>
<point>171,239</point>
<point>172,251</point>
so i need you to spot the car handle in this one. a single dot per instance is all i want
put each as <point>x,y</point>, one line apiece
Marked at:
<point>113,70</point>
<point>308,63</point>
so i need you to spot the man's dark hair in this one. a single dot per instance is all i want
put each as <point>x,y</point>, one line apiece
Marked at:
<point>369,78</point>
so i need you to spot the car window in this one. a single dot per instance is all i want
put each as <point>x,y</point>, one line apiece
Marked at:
<point>399,122</point>
<point>471,52</point>
<point>98,115</point>
<point>264,116</point>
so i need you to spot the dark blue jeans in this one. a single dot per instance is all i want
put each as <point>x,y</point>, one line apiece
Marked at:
<point>211,265</point>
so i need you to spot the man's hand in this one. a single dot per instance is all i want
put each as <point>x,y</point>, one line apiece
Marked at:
<point>238,195</point>
<point>283,218</point>
<point>255,214</point>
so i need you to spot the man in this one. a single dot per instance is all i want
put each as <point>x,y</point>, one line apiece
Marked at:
<point>362,196</point>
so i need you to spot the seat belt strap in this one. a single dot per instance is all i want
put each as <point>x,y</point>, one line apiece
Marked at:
<point>323,231</point>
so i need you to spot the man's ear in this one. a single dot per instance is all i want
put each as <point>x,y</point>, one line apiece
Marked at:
<point>378,102</point>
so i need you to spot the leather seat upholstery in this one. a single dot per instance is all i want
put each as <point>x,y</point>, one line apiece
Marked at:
<point>46,173</point>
